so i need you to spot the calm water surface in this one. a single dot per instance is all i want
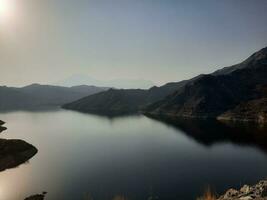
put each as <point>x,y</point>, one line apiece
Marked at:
<point>83,154</point>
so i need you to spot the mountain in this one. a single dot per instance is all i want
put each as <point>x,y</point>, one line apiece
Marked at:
<point>13,98</point>
<point>229,90</point>
<point>110,102</point>
<point>80,79</point>
<point>37,96</point>
<point>123,101</point>
<point>223,94</point>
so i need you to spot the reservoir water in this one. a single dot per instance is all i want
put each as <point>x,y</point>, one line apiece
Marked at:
<point>82,155</point>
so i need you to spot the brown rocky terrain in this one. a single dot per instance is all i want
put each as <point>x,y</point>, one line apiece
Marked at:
<point>255,192</point>
<point>254,110</point>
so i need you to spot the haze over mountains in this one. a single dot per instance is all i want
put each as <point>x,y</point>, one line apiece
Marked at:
<point>205,96</point>
<point>81,79</point>
<point>36,96</point>
<point>115,101</point>
<point>238,92</point>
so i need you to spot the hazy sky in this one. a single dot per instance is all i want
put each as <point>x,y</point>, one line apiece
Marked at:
<point>160,40</point>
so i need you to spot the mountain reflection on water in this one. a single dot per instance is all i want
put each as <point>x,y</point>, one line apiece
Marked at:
<point>102,156</point>
<point>210,132</point>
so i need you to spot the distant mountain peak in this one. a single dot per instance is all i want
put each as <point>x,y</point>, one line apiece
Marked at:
<point>82,79</point>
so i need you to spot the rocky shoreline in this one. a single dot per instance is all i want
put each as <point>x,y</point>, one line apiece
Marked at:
<point>246,192</point>
<point>255,192</point>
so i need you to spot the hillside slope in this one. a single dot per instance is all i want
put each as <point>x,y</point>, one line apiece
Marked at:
<point>211,95</point>
<point>123,101</point>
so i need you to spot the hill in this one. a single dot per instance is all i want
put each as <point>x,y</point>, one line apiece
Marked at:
<point>205,96</point>
<point>225,90</point>
<point>37,96</point>
<point>123,101</point>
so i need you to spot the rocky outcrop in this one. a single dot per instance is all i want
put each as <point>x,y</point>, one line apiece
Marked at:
<point>256,192</point>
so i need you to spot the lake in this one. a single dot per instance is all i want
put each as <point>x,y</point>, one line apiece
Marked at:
<point>136,156</point>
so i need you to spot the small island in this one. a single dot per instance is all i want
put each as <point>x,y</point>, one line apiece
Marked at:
<point>37,197</point>
<point>14,152</point>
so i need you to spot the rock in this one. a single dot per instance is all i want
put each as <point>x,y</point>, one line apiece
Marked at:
<point>245,189</point>
<point>264,191</point>
<point>230,193</point>
<point>255,192</point>
<point>246,198</point>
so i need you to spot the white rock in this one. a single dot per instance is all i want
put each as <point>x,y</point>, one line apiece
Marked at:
<point>246,198</point>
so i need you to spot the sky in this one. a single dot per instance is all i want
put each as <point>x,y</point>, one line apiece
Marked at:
<point>45,41</point>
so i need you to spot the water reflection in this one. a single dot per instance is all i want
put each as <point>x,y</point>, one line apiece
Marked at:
<point>87,154</point>
<point>109,115</point>
<point>210,132</point>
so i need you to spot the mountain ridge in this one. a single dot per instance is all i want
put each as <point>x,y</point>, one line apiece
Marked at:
<point>213,94</point>
<point>204,96</point>
<point>35,96</point>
